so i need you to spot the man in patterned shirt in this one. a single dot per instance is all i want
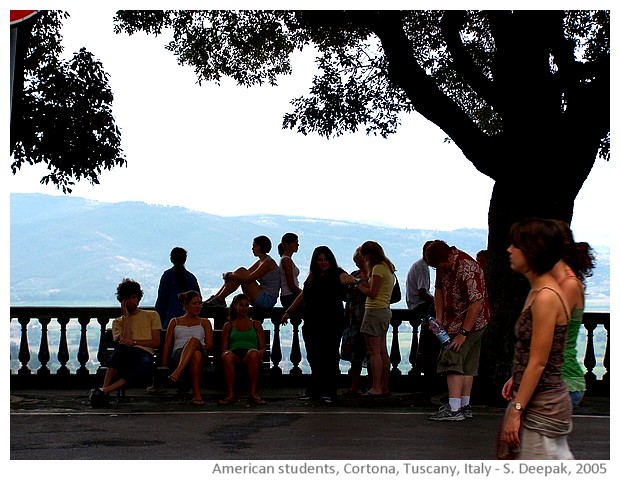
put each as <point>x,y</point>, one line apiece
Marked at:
<point>462,307</point>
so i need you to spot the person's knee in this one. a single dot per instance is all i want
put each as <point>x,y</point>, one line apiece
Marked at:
<point>228,358</point>
<point>252,357</point>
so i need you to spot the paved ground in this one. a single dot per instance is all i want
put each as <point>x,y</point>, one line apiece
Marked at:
<point>61,425</point>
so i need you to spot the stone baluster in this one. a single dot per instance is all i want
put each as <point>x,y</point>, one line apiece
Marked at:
<point>589,360</point>
<point>413,351</point>
<point>24,348</point>
<point>295,346</point>
<point>82,354</point>
<point>395,356</point>
<point>102,356</point>
<point>63,349</point>
<point>606,357</point>
<point>44,350</point>
<point>276,349</point>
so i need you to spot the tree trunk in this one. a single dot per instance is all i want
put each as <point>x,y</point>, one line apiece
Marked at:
<point>513,199</point>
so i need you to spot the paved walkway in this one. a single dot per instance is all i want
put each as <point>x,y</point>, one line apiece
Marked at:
<point>53,424</point>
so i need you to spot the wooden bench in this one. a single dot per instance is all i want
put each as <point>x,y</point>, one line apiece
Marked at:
<point>213,366</point>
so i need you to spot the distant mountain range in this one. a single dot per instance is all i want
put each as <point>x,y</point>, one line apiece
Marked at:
<point>72,251</point>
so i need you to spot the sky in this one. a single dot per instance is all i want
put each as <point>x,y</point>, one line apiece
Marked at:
<point>221,149</point>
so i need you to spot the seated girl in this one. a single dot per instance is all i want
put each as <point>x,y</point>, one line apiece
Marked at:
<point>189,338</point>
<point>260,282</point>
<point>243,343</point>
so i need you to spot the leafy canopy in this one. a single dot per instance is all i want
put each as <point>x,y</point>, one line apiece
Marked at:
<point>63,117</point>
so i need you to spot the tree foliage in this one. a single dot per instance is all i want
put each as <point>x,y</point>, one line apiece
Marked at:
<point>63,114</point>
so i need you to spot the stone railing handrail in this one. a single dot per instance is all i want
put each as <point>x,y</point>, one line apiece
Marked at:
<point>103,316</point>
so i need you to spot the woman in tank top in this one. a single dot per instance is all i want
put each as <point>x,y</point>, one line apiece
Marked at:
<point>189,338</point>
<point>243,343</point>
<point>289,272</point>
<point>260,282</point>
<point>538,418</point>
<point>571,272</point>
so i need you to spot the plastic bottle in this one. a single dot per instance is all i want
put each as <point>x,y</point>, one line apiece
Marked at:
<point>439,332</point>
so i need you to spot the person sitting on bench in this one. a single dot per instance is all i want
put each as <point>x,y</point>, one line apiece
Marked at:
<point>243,343</point>
<point>137,333</point>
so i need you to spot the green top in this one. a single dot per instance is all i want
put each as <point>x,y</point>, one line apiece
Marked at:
<point>572,371</point>
<point>243,338</point>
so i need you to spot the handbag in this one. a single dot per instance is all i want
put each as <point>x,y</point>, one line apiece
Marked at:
<point>396,295</point>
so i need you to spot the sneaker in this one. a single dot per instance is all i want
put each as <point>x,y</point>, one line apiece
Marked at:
<point>304,397</point>
<point>327,400</point>
<point>98,398</point>
<point>445,414</point>
<point>214,301</point>
<point>156,389</point>
<point>467,412</point>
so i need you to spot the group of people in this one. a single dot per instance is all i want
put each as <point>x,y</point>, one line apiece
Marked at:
<point>547,378</point>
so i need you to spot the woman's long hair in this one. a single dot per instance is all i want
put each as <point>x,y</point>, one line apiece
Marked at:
<point>315,271</point>
<point>376,255</point>
<point>579,256</point>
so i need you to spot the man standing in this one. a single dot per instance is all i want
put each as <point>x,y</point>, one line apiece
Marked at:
<point>173,281</point>
<point>462,306</point>
<point>137,332</point>
<point>420,301</point>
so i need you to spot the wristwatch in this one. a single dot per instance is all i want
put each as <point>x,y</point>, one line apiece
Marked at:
<point>518,407</point>
<point>464,332</point>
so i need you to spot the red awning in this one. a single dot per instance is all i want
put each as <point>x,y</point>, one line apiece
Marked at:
<point>21,15</point>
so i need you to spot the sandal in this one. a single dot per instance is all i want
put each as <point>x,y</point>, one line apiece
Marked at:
<point>256,401</point>
<point>173,380</point>
<point>224,402</point>
<point>197,401</point>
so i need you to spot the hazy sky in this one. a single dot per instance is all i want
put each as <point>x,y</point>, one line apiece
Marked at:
<point>222,150</point>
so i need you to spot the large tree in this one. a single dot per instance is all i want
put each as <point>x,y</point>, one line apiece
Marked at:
<point>525,95</point>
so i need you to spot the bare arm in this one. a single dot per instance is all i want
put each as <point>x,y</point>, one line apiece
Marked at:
<point>225,336</point>
<point>206,326</point>
<point>262,348</point>
<point>294,306</point>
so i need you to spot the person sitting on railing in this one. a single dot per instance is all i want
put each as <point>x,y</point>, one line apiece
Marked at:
<point>137,332</point>
<point>243,343</point>
<point>260,282</point>
<point>189,338</point>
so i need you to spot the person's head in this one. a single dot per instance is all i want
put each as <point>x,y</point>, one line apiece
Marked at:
<point>439,255</point>
<point>482,258</point>
<point>322,261</point>
<point>191,301</point>
<point>262,243</point>
<point>239,306</point>
<point>358,259</point>
<point>424,247</point>
<point>374,255</point>
<point>129,291</point>
<point>535,244</point>
<point>289,241</point>
<point>178,256</point>
<point>577,255</point>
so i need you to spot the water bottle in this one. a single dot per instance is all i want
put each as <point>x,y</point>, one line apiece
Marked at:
<point>439,332</point>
